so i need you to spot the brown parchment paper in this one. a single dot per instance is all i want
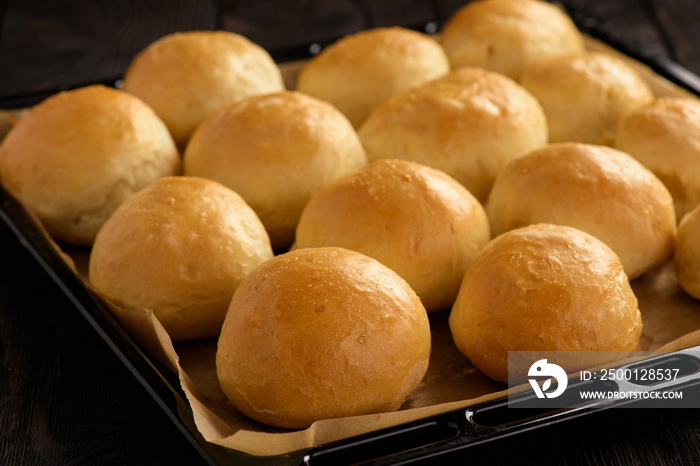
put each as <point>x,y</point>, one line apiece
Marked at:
<point>671,321</point>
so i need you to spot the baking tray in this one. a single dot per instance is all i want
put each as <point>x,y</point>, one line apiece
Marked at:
<point>424,438</point>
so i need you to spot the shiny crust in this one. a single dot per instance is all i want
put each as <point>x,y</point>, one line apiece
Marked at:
<point>179,248</point>
<point>360,70</point>
<point>687,255</point>
<point>74,157</point>
<point>543,288</point>
<point>414,219</point>
<point>185,76</point>
<point>585,96</point>
<point>321,333</point>
<point>276,151</point>
<point>468,123</point>
<point>597,189</point>
<point>664,136</point>
<point>505,36</point>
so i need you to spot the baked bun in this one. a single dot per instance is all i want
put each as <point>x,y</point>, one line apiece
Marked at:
<point>468,123</point>
<point>507,35</point>
<point>184,76</point>
<point>687,254</point>
<point>664,136</point>
<point>73,158</point>
<point>544,288</point>
<point>360,70</point>
<point>597,189</point>
<point>276,151</point>
<point>414,219</point>
<point>179,248</point>
<point>321,333</point>
<point>584,96</point>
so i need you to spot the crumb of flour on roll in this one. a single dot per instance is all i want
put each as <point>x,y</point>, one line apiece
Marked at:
<point>74,157</point>
<point>597,189</point>
<point>414,219</point>
<point>184,76</point>
<point>322,333</point>
<point>547,288</point>
<point>276,151</point>
<point>664,136</point>
<point>585,96</point>
<point>360,70</point>
<point>179,248</point>
<point>505,36</point>
<point>467,123</point>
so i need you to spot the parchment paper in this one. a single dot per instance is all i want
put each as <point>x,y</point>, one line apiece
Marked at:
<point>671,321</point>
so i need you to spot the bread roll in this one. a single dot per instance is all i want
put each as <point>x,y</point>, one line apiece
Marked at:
<point>687,254</point>
<point>414,219</point>
<point>179,248</point>
<point>505,36</point>
<point>468,123</point>
<point>74,157</point>
<point>360,70</point>
<point>184,76</point>
<point>544,288</point>
<point>664,136</point>
<point>276,151</point>
<point>321,333</point>
<point>584,96</point>
<point>597,189</point>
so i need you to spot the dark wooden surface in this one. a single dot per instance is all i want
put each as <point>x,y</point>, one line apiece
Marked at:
<point>65,398</point>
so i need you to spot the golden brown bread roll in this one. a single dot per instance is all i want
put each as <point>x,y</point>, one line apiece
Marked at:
<point>505,36</point>
<point>77,155</point>
<point>360,70</point>
<point>414,219</point>
<point>321,333</point>
<point>468,123</point>
<point>664,136</point>
<point>543,288</point>
<point>184,76</point>
<point>179,248</point>
<point>276,151</point>
<point>687,254</point>
<point>584,96</point>
<point>597,189</point>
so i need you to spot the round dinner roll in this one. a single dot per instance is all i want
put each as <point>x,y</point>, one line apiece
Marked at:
<point>585,96</point>
<point>184,76</point>
<point>507,35</point>
<point>414,219</point>
<point>544,288</point>
<point>597,189</point>
<point>664,136</point>
<point>687,254</point>
<point>322,333</point>
<point>362,69</point>
<point>276,151</point>
<point>74,157</point>
<point>468,123</point>
<point>179,248</point>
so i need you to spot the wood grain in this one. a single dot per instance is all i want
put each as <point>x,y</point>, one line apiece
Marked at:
<point>679,23</point>
<point>57,45</point>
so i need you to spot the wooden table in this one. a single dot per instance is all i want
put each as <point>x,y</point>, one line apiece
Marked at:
<point>65,398</point>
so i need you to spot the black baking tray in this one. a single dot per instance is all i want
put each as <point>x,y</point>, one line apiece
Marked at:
<point>418,440</point>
